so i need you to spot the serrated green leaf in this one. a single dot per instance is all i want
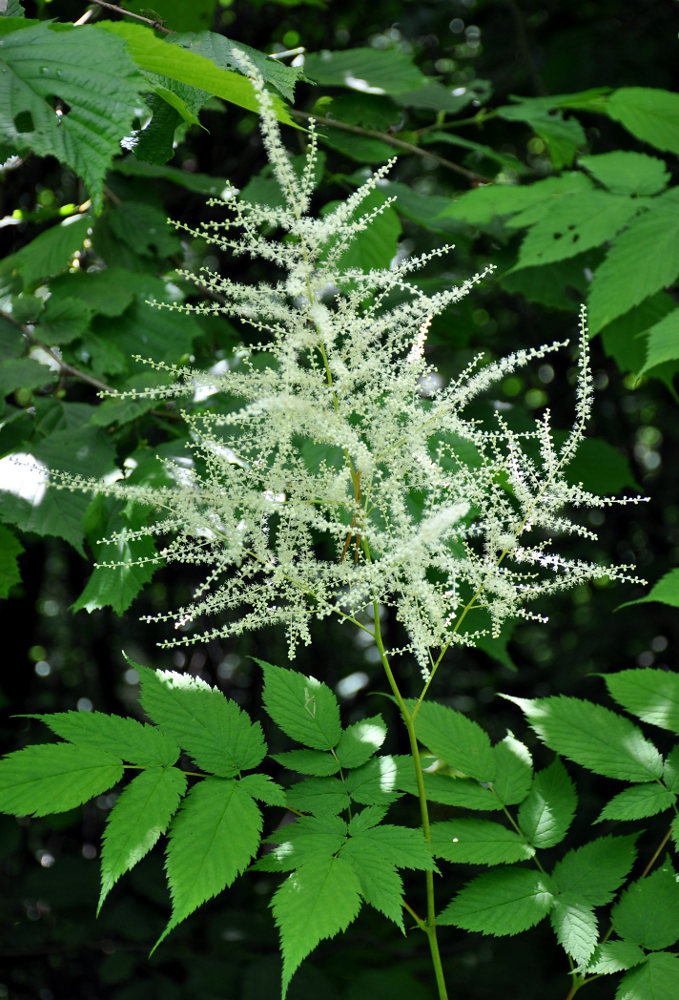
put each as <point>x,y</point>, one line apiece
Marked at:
<point>560,286</point>
<point>402,846</point>
<point>144,229</point>
<point>44,61</point>
<point>140,816</point>
<point>212,840</point>
<point>575,927</point>
<point>63,320</point>
<point>650,694</point>
<point>546,814</point>
<point>478,842</point>
<point>215,732</point>
<point>625,338</point>
<point>527,202</point>
<point>319,796</point>
<point>593,736</point>
<point>10,550</point>
<point>359,742</point>
<point>455,739</point>
<point>366,819</point>
<point>593,872</point>
<point>638,802</point>
<point>614,956</point>
<point>624,172</point>
<point>387,71</point>
<point>575,225</point>
<point>374,783</point>
<point>665,590</point>
<point>650,114</point>
<point>316,763</point>
<point>24,373</point>
<point>373,247</point>
<point>643,260</point>
<point>656,979</point>
<point>648,911</point>
<point>317,901</point>
<point>54,777</point>
<point>445,788</point>
<point>304,708</point>
<point>502,902</point>
<point>263,788</point>
<point>513,770</point>
<point>51,252</point>
<point>133,741</point>
<point>562,136</point>
<point>318,837</point>
<point>157,333</point>
<point>662,341</point>
<point>381,885</point>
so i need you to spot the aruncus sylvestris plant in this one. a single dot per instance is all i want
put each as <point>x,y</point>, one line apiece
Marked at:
<point>343,479</point>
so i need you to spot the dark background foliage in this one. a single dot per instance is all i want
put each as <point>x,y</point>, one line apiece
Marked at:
<point>54,659</point>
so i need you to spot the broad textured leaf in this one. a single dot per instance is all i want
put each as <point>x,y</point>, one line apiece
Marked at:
<point>42,62</point>
<point>455,739</point>
<point>306,838</point>
<point>212,840</point>
<point>531,201</point>
<point>446,789</point>
<point>627,172</point>
<point>304,708</point>
<point>381,885</point>
<point>319,796</point>
<point>383,71</point>
<point>51,252</point>
<point>656,979</point>
<point>615,956</point>
<point>402,846</point>
<point>215,732</point>
<point>140,816</point>
<point>593,737</point>
<point>10,549</point>
<point>638,802</point>
<point>650,114</point>
<point>155,333</point>
<point>116,586</point>
<point>133,741</point>
<point>313,762</point>
<point>643,260</point>
<point>25,373</point>
<point>359,742</point>
<point>366,819</point>
<point>575,927</point>
<point>513,770</point>
<point>375,246</point>
<point>593,872</point>
<point>502,902</point>
<point>625,338</point>
<point>54,777</point>
<point>662,342</point>
<point>648,912</point>
<point>374,783</point>
<point>665,590</point>
<point>263,788</point>
<point>562,136</point>
<point>478,842</point>
<point>63,320</point>
<point>144,229</point>
<point>317,901</point>
<point>547,812</point>
<point>576,225</point>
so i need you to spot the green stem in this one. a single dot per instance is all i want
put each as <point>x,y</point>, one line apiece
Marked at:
<point>429,926</point>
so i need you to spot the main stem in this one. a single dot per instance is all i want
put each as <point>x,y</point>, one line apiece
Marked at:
<point>430,926</point>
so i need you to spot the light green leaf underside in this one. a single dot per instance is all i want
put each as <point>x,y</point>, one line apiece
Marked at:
<point>624,172</point>
<point>575,926</point>
<point>317,901</point>
<point>213,837</point>
<point>650,114</point>
<point>546,814</point>
<point>140,816</point>
<point>648,912</point>
<point>304,708</point>
<point>666,590</point>
<point>478,842</point>
<point>594,737</point>
<point>615,956</point>
<point>455,739</point>
<point>54,777</point>
<point>502,902</point>
<point>513,770</point>
<point>593,872</point>
<point>214,731</point>
<point>652,695</point>
<point>133,741</point>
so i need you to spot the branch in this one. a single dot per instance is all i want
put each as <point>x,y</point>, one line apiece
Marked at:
<point>391,140</point>
<point>158,25</point>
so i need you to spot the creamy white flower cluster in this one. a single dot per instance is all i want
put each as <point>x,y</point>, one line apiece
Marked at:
<point>341,475</point>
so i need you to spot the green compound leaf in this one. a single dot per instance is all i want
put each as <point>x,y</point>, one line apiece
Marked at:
<point>501,902</point>
<point>309,837</point>
<point>643,260</point>
<point>402,846</point>
<point>593,872</point>
<point>51,252</point>
<point>638,802</point>
<point>478,842</point>
<point>213,837</point>
<point>650,114</point>
<point>320,796</point>
<point>133,741</point>
<point>358,743</point>
<point>317,901</point>
<point>132,562</point>
<point>304,708</point>
<point>455,739</point>
<point>381,885</point>
<point>665,590</point>
<point>10,550</point>
<point>140,816</point>
<point>648,912</point>
<point>445,788</point>
<point>264,789</point>
<point>314,762</point>
<point>652,695</point>
<point>662,342</point>
<point>547,812</point>
<point>615,956</point>
<point>593,736</point>
<point>656,979</point>
<point>215,732</point>
<point>627,173</point>
<point>575,927</point>
<point>366,819</point>
<point>513,770</point>
<point>42,62</point>
<point>374,783</point>
<point>54,777</point>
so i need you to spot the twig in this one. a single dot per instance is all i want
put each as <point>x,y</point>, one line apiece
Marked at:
<point>158,25</point>
<point>391,140</point>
